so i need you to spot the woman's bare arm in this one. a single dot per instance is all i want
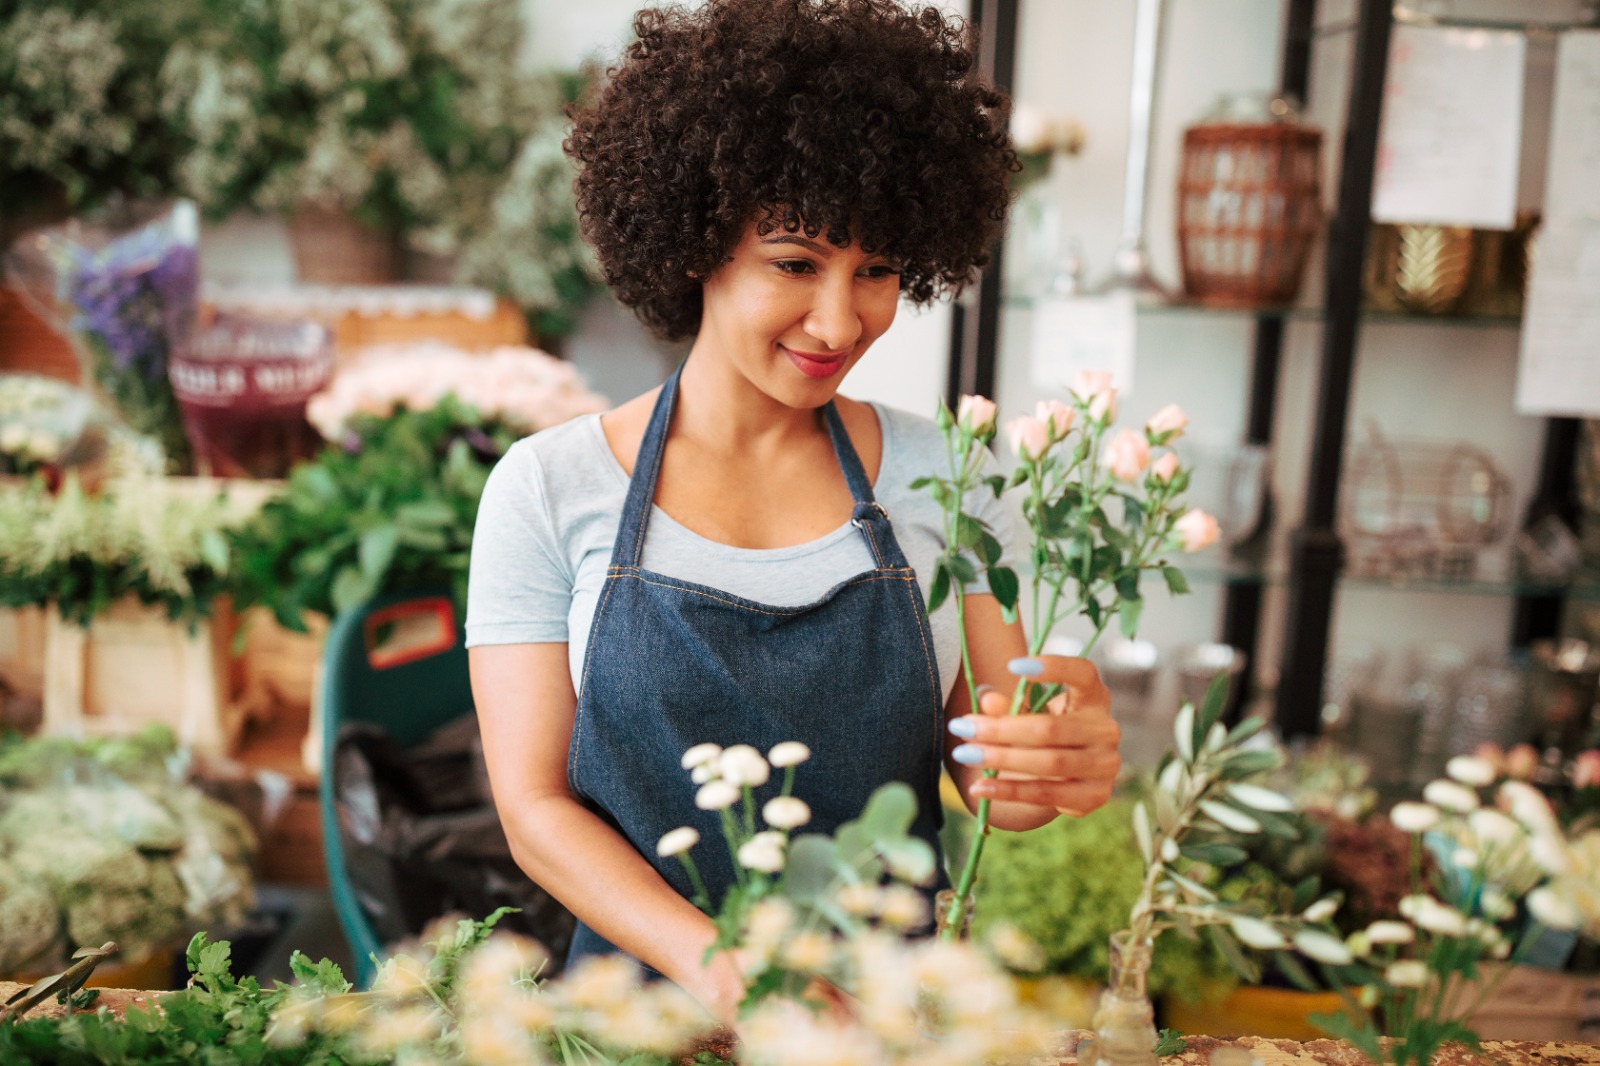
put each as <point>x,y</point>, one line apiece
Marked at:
<point>525,705</point>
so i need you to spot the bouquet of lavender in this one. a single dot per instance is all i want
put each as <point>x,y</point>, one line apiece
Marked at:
<point>123,289</point>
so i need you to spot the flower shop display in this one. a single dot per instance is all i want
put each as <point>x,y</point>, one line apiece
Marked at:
<point>390,502</point>
<point>103,840</point>
<point>1101,510</point>
<point>79,122</point>
<point>242,384</point>
<point>383,128</point>
<point>123,287</point>
<point>132,579</point>
<point>48,427</point>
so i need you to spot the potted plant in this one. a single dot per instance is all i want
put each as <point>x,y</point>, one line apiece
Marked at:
<point>389,503</point>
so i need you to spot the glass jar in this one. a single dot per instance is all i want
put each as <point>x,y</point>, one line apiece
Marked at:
<point>1124,1025</point>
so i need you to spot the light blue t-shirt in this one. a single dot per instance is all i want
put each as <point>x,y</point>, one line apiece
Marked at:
<point>550,512</point>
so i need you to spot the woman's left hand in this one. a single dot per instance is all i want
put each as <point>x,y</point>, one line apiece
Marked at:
<point>1064,758</point>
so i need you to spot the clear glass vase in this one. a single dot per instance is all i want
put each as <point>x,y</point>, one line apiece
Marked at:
<point>942,917</point>
<point>1124,1025</point>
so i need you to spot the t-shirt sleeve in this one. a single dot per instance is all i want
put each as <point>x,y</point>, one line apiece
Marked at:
<point>519,583</point>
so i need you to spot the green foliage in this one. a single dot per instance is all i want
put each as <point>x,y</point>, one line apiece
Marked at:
<point>1171,1043</point>
<point>79,121</point>
<point>1070,885</point>
<point>137,539</point>
<point>392,512</point>
<point>87,855</point>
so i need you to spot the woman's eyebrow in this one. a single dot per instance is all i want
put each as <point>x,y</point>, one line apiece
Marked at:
<point>804,242</point>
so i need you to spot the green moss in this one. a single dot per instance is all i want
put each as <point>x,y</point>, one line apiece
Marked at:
<point>1070,885</point>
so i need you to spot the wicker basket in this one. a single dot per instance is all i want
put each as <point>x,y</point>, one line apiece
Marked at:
<point>1249,209</point>
<point>332,248</point>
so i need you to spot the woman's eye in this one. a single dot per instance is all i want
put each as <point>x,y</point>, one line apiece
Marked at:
<point>794,266</point>
<point>880,272</point>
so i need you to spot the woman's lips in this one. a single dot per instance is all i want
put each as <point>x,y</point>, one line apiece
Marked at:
<point>816,365</point>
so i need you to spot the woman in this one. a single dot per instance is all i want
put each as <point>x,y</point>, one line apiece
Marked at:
<point>736,557</point>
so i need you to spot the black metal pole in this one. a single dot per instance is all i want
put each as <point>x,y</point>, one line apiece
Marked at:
<point>975,329</point>
<point>1241,604</point>
<point>1316,552</point>
<point>1538,617</point>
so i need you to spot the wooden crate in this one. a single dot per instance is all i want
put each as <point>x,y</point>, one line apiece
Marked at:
<point>22,638</point>
<point>132,667</point>
<point>1534,1004</point>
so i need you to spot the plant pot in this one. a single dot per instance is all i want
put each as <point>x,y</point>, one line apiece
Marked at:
<point>1254,1010</point>
<point>332,248</point>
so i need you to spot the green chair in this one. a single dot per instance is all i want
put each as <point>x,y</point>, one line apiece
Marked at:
<point>399,662</point>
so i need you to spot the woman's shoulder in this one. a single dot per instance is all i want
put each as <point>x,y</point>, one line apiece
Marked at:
<point>908,437</point>
<point>562,462</point>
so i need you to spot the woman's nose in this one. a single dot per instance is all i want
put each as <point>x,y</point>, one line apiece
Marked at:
<point>834,319</point>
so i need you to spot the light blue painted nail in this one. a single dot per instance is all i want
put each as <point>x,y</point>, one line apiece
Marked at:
<point>963,727</point>
<point>968,755</point>
<point>1027,666</point>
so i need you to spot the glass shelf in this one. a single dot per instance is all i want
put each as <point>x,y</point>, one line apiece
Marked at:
<point>1406,16</point>
<point>1301,314</point>
<point>1271,569</point>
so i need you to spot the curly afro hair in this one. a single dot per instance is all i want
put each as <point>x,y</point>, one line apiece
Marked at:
<point>857,119</point>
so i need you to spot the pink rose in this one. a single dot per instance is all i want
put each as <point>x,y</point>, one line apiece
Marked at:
<point>1493,754</point>
<point>1088,384</point>
<point>1167,424</point>
<point>1197,530</point>
<point>1165,467</point>
<point>976,414</point>
<point>1103,408</point>
<point>1521,762</point>
<point>1127,455</point>
<point>1030,437</point>
<point>1057,415</point>
<point>1586,769</point>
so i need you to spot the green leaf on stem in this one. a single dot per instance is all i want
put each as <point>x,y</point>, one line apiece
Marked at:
<point>1003,583</point>
<point>940,588</point>
<point>1290,966</point>
<point>1128,616</point>
<point>997,485</point>
<point>1305,893</point>
<point>1177,584</point>
<point>376,551</point>
<point>921,483</point>
<point>1214,854</point>
<point>1363,1034</point>
<point>961,569</point>
<point>969,531</point>
<point>989,548</point>
<point>1240,963</point>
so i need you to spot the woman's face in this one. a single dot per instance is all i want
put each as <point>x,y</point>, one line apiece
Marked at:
<point>793,314</point>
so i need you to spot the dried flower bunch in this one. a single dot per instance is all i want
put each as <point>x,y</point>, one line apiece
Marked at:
<point>123,287</point>
<point>1101,508</point>
<point>79,121</point>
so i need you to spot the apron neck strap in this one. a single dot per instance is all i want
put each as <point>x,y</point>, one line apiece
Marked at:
<point>868,514</point>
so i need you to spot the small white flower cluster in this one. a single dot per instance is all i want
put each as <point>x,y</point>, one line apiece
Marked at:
<point>930,1003</point>
<point>1515,849</point>
<point>499,1013</point>
<point>521,387</point>
<point>727,775</point>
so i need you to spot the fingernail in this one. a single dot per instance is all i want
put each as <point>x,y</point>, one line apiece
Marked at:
<point>963,727</point>
<point>968,754</point>
<point>984,690</point>
<point>1027,666</point>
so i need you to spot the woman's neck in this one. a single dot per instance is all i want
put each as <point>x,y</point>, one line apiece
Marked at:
<point>723,410</point>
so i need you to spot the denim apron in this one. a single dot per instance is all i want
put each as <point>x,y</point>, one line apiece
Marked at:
<point>671,664</point>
